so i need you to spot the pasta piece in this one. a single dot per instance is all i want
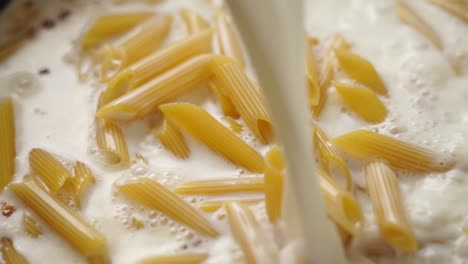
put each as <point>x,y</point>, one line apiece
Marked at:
<point>228,39</point>
<point>408,16</point>
<point>147,39</point>
<point>110,26</point>
<point>66,222</point>
<point>137,224</point>
<point>99,260</point>
<point>312,75</point>
<point>327,71</point>
<point>458,8</point>
<point>226,104</point>
<point>274,183</point>
<point>141,158</point>
<point>202,126</point>
<point>183,258</point>
<point>173,140</point>
<point>51,171</point>
<point>180,80</point>
<point>253,241</point>
<point>9,254</point>
<point>222,186</point>
<point>245,96</point>
<point>7,142</point>
<point>31,226</point>
<point>361,70</point>
<point>366,144</point>
<point>390,213</point>
<point>193,22</point>
<point>154,195</point>
<point>340,204</point>
<point>234,125</point>
<point>362,101</point>
<point>329,157</point>
<point>212,206</point>
<point>82,180</point>
<point>156,63</point>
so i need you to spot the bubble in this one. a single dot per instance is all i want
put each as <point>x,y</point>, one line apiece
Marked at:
<point>23,83</point>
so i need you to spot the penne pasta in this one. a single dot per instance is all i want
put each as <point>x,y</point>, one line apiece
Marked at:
<point>182,258</point>
<point>245,96</point>
<point>327,71</point>
<point>66,222</point>
<point>362,101</point>
<point>222,186</point>
<point>111,142</point>
<point>228,39</point>
<point>212,206</point>
<point>194,23</point>
<point>7,142</point>
<point>312,75</point>
<point>99,260</point>
<point>329,158</point>
<point>361,70</point>
<point>110,26</point>
<point>274,182</point>
<point>247,232</point>
<point>158,62</point>
<point>154,195</point>
<point>31,227</point>
<point>202,126</point>
<point>226,104</point>
<point>82,180</point>
<point>51,171</point>
<point>408,16</point>
<point>458,8</point>
<point>384,192</point>
<point>147,39</point>
<point>137,224</point>
<point>366,144</point>
<point>173,140</point>
<point>340,204</point>
<point>178,81</point>
<point>234,125</point>
<point>9,253</point>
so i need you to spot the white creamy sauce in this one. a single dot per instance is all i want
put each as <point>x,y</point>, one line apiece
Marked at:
<point>427,106</point>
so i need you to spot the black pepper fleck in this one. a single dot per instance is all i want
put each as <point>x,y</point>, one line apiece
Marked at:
<point>48,24</point>
<point>64,14</point>
<point>44,71</point>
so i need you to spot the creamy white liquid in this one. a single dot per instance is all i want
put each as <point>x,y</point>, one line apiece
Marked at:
<point>427,105</point>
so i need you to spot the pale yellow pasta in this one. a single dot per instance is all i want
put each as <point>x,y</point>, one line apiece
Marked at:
<point>274,182</point>
<point>228,38</point>
<point>329,158</point>
<point>366,144</point>
<point>110,26</point>
<point>234,125</point>
<point>212,206</point>
<point>140,158</point>
<point>158,62</point>
<point>362,101</point>
<point>178,81</point>
<point>7,141</point>
<point>312,75</point>
<point>173,140</point>
<point>137,224</point>
<point>181,258</point>
<point>51,171</point>
<point>202,126</point>
<point>327,71</point>
<point>99,260</point>
<point>252,239</point>
<point>31,227</point>
<point>194,23</point>
<point>226,103</point>
<point>66,222</point>
<point>9,253</point>
<point>391,216</point>
<point>154,195</point>
<point>361,70</point>
<point>222,186</point>
<point>408,16</point>
<point>148,38</point>
<point>247,99</point>
<point>82,180</point>
<point>458,8</point>
<point>340,204</point>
